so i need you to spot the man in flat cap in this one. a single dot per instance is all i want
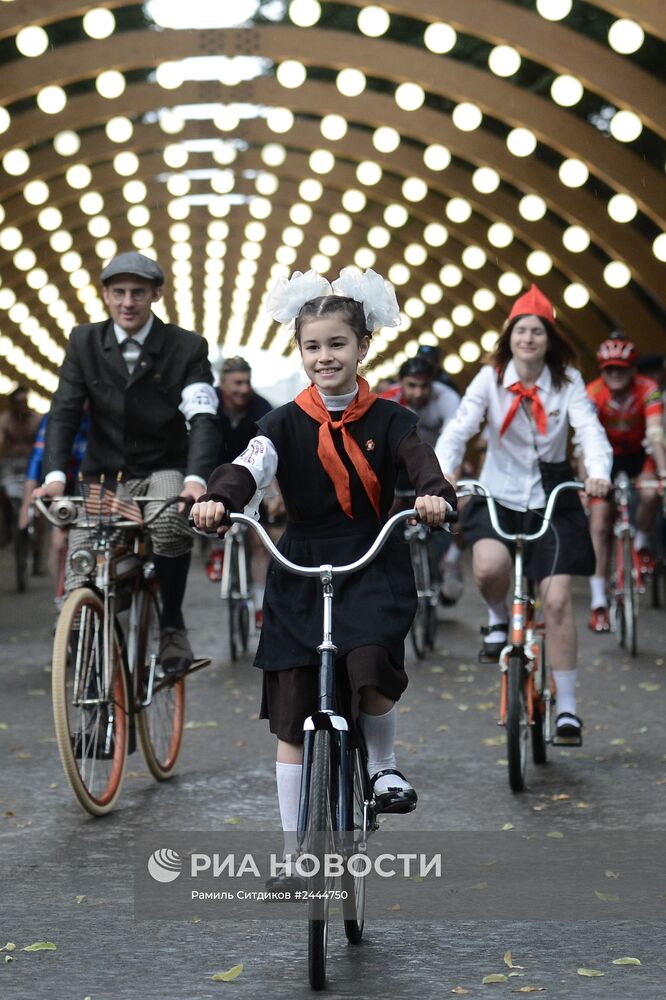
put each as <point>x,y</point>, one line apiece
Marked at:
<point>152,420</point>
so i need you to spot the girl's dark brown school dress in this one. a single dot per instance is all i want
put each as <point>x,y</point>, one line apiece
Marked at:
<point>373,609</point>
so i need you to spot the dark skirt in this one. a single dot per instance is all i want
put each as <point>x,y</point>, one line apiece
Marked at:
<point>374,607</point>
<point>565,549</point>
<point>290,696</point>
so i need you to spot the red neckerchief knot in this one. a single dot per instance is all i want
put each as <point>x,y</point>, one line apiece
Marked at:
<point>538,412</point>
<point>311,402</point>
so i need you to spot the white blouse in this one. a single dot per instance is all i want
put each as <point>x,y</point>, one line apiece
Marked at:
<point>511,470</point>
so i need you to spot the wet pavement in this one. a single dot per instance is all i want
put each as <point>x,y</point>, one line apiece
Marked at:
<point>68,878</point>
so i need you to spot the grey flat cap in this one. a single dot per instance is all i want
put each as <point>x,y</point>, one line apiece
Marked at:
<point>133,263</point>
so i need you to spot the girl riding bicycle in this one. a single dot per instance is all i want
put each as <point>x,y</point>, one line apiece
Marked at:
<point>336,451</point>
<point>529,396</point>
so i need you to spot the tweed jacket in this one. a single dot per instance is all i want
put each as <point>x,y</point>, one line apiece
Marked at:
<point>136,426</point>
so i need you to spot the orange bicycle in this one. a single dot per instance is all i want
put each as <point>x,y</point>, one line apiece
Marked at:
<point>527,693</point>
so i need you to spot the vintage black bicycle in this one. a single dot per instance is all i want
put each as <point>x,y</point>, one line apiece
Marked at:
<point>107,681</point>
<point>337,811</point>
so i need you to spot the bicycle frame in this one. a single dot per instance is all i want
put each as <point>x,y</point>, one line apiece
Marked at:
<point>326,716</point>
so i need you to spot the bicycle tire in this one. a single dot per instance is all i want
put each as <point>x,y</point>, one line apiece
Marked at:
<point>353,907</point>
<point>516,723</point>
<point>419,631</point>
<point>539,749</point>
<point>318,841</point>
<point>22,553</point>
<point>160,724</point>
<point>243,624</point>
<point>630,599</point>
<point>94,769</point>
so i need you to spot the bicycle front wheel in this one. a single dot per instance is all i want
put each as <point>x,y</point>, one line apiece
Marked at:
<point>353,907</point>
<point>419,632</point>
<point>319,842</point>
<point>161,704</point>
<point>630,599</point>
<point>516,723</point>
<point>90,705</point>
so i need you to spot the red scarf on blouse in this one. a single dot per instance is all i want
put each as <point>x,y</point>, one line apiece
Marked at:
<point>538,411</point>
<point>311,402</point>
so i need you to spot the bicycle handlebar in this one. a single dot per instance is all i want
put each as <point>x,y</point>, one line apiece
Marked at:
<point>66,511</point>
<point>472,487</point>
<point>316,571</point>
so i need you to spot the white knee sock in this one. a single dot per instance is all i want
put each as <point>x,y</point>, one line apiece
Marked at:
<point>497,615</point>
<point>598,598</point>
<point>452,556</point>
<point>379,734</point>
<point>289,789</point>
<point>565,681</point>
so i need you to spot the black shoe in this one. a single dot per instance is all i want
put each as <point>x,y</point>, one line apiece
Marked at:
<point>285,882</point>
<point>490,651</point>
<point>175,655</point>
<point>394,800</point>
<point>568,730</point>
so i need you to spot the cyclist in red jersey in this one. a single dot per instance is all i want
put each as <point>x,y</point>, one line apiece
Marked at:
<point>630,409</point>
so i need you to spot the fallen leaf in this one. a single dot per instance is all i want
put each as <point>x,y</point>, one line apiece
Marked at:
<point>9,958</point>
<point>508,960</point>
<point>609,874</point>
<point>626,961</point>
<point>233,820</point>
<point>480,886</point>
<point>496,977</point>
<point>590,972</point>
<point>200,725</point>
<point>81,899</point>
<point>446,696</point>
<point>239,743</point>
<point>555,834</point>
<point>529,989</point>
<point>508,826</point>
<point>582,805</point>
<point>493,741</point>
<point>226,977</point>
<point>619,742</point>
<point>459,989</point>
<point>396,907</point>
<point>3,725</point>
<point>606,897</point>
<point>442,729</point>
<point>10,946</point>
<point>647,686</point>
<point>560,797</point>
<point>40,946</point>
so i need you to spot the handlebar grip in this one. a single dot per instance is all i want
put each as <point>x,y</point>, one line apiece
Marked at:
<point>451,517</point>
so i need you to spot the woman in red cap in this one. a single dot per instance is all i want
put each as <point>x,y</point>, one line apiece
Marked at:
<point>529,397</point>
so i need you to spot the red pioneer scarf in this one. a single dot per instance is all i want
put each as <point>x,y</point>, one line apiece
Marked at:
<point>311,402</point>
<point>538,411</point>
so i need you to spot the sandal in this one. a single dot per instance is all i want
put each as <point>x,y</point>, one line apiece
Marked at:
<point>393,800</point>
<point>568,730</point>
<point>490,651</point>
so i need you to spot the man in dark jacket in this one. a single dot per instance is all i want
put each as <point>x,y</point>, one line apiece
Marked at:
<point>146,382</point>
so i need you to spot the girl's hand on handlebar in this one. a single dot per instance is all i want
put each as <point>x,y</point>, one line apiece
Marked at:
<point>597,487</point>
<point>432,510</point>
<point>210,515</point>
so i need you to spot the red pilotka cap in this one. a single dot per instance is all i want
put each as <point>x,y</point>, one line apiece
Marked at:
<point>533,303</point>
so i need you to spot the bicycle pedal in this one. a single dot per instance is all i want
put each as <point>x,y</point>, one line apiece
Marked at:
<point>567,741</point>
